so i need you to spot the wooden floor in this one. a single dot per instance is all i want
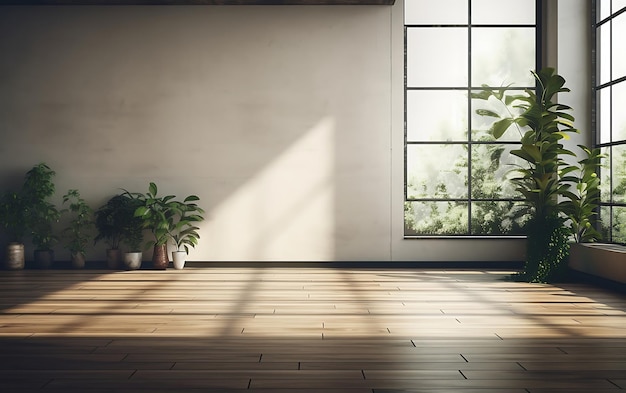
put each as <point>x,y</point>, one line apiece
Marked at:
<point>306,330</point>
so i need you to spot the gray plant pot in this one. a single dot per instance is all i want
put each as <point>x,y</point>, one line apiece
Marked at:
<point>132,260</point>
<point>15,256</point>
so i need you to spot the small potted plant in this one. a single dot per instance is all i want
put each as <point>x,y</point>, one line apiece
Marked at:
<point>110,221</point>
<point>184,232</point>
<point>158,214</point>
<point>78,231</point>
<point>14,226</point>
<point>40,214</point>
<point>132,232</point>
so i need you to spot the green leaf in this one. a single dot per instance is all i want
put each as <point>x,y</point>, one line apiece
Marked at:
<point>567,170</point>
<point>532,151</point>
<point>482,95</point>
<point>499,127</point>
<point>487,112</point>
<point>563,135</point>
<point>141,211</point>
<point>509,100</point>
<point>523,155</point>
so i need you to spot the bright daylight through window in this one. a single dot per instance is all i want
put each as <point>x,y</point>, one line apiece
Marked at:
<point>455,171</point>
<point>610,88</point>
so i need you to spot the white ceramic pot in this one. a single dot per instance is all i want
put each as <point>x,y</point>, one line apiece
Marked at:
<point>179,258</point>
<point>132,260</point>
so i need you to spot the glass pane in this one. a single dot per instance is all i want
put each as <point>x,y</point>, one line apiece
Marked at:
<point>605,176</point>
<point>428,65</point>
<point>497,62</point>
<point>605,223</point>
<point>498,218</point>
<point>619,49</point>
<point>618,166</point>
<point>482,124</point>
<point>604,53</point>
<point>503,12</point>
<point>435,218</point>
<point>437,171</point>
<point>604,9</point>
<point>492,167</point>
<point>618,5</point>
<point>442,12</point>
<point>618,224</point>
<point>618,112</point>
<point>436,115</point>
<point>604,114</point>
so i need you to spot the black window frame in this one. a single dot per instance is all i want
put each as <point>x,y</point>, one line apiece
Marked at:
<point>469,142</point>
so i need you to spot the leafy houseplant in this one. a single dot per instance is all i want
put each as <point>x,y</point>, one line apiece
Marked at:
<point>545,177</point>
<point>169,219</point>
<point>157,214</point>
<point>132,231</point>
<point>14,226</point>
<point>116,224</point>
<point>581,203</point>
<point>110,221</point>
<point>78,231</point>
<point>40,213</point>
<point>184,232</point>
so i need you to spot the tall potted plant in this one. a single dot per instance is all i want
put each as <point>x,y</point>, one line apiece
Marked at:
<point>183,231</point>
<point>40,213</point>
<point>13,223</point>
<point>77,233</point>
<point>545,177</point>
<point>158,215</point>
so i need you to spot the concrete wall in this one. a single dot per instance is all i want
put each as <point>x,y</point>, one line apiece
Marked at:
<point>601,260</point>
<point>285,121</point>
<point>574,62</point>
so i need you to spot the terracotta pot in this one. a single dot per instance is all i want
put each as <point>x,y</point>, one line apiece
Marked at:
<point>78,260</point>
<point>159,257</point>
<point>114,258</point>
<point>44,258</point>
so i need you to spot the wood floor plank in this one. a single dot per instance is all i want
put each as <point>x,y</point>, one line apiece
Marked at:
<point>263,330</point>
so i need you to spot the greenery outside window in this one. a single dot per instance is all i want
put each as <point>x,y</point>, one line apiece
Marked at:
<point>610,117</point>
<point>455,171</point>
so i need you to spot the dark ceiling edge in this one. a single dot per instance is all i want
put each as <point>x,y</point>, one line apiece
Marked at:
<point>197,2</point>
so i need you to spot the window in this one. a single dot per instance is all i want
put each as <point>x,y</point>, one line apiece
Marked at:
<point>455,171</point>
<point>610,117</point>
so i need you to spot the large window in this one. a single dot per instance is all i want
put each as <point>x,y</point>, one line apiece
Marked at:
<point>610,119</point>
<point>455,171</point>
